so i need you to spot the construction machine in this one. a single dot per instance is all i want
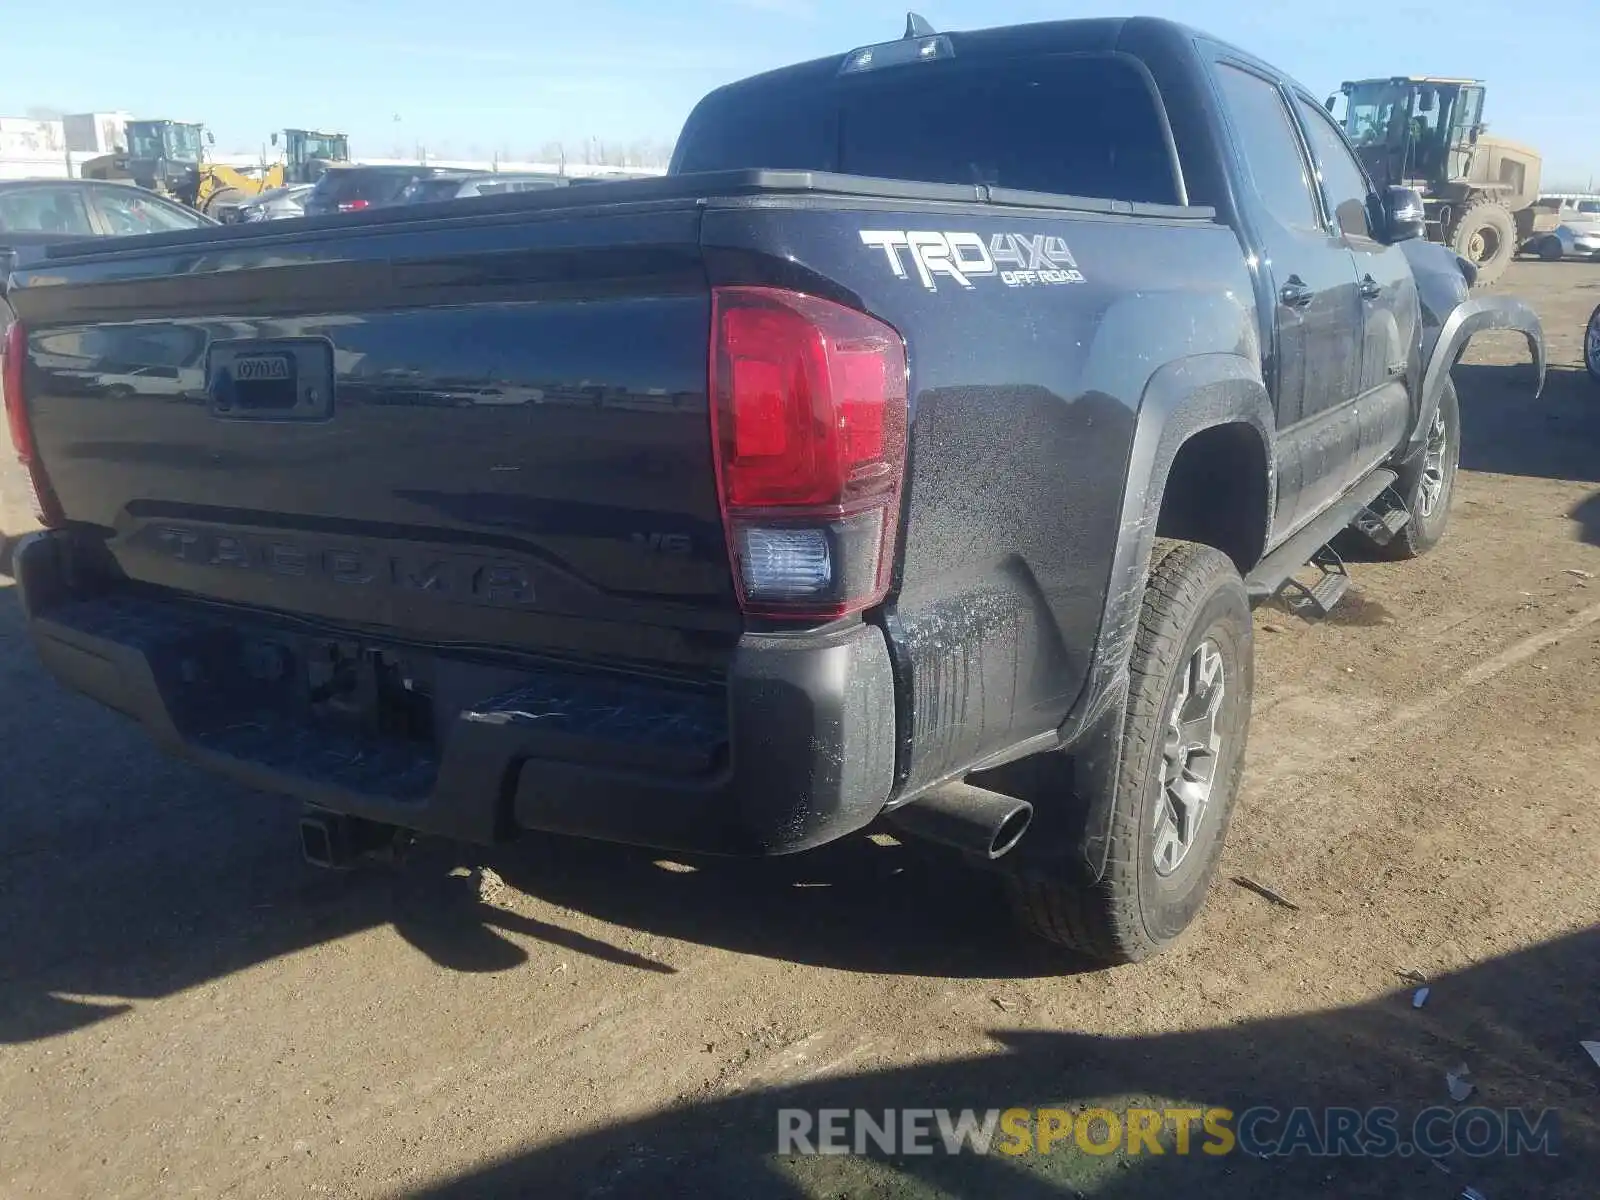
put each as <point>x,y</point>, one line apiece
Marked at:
<point>163,156</point>
<point>169,157</point>
<point>308,153</point>
<point>1427,132</point>
<point>304,155</point>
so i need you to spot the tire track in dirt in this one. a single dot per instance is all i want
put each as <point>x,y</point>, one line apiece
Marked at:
<point>1266,783</point>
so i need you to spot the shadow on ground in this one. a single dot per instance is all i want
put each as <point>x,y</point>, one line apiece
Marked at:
<point>1557,436</point>
<point>1587,514</point>
<point>1506,431</point>
<point>1514,1021</point>
<point>125,875</point>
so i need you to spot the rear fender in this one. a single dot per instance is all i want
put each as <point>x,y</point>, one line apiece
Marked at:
<point>1180,400</point>
<point>1467,318</point>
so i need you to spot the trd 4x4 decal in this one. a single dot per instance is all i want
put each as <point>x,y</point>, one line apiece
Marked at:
<point>1019,259</point>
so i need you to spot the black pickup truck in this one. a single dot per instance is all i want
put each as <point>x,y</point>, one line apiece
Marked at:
<point>913,451</point>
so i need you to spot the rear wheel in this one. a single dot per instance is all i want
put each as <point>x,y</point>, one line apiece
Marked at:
<point>1550,249</point>
<point>1183,748</point>
<point>1591,345</point>
<point>1486,234</point>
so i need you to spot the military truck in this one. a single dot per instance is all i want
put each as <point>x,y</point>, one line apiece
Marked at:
<point>1427,132</point>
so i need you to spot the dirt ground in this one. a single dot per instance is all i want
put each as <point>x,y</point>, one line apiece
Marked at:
<point>187,1010</point>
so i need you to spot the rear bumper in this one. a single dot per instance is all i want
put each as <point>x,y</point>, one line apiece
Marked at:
<point>795,748</point>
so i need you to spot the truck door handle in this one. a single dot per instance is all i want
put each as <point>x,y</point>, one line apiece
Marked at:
<point>1295,293</point>
<point>1370,288</point>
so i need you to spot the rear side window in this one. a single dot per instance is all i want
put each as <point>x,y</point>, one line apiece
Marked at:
<point>1084,125</point>
<point>422,191</point>
<point>128,211</point>
<point>1270,147</point>
<point>44,210</point>
<point>375,187</point>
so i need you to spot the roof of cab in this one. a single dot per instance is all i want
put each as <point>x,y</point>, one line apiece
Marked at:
<point>1404,79</point>
<point>1089,35</point>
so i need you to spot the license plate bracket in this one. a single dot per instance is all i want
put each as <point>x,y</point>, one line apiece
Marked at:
<point>270,379</point>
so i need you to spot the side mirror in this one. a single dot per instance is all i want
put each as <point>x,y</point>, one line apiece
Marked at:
<point>1404,217</point>
<point>1328,103</point>
<point>211,138</point>
<point>274,139</point>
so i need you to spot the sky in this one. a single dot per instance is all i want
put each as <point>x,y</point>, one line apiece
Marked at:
<point>472,78</point>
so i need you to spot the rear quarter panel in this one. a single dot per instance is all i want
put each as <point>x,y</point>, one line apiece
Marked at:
<point>1025,397</point>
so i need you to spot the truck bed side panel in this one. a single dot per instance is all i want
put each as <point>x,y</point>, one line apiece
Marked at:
<point>1025,396</point>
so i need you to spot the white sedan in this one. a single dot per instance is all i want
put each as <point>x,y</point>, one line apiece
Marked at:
<point>1576,237</point>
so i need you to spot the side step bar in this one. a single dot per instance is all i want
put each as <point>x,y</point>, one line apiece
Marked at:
<point>1327,591</point>
<point>1383,518</point>
<point>1277,568</point>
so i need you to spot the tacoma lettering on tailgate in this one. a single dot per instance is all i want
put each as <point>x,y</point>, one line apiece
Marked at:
<point>464,578</point>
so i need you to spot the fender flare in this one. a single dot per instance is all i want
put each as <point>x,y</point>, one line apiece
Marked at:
<point>1180,399</point>
<point>1470,317</point>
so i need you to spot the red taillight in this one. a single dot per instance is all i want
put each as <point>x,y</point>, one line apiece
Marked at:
<point>354,205</point>
<point>808,420</point>
<point>13,374</point>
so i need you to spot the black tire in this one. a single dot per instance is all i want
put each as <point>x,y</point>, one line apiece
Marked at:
<point>1425,529</point>
<point>1486,233</point>
<point>1194,598</point>
<point>1591,345</point>
<point>1550,249</point>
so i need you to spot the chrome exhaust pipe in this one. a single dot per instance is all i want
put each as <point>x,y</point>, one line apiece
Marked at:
<point>972,819</point>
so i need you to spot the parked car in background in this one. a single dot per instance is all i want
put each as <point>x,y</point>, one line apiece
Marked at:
<point>1578,236</point>
<point>275,204</point>
<point>463,184</point>
<point>352,189</point>
<point>39,212</point>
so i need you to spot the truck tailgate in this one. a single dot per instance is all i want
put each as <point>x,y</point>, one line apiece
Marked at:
<point>492,433</point>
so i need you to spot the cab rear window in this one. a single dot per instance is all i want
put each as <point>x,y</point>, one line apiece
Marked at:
<point>1071,124</point>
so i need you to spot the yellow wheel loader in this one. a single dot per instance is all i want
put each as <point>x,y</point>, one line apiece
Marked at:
<point>169,158</point>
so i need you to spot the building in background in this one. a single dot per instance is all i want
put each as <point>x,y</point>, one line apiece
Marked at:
<point>21,136</point>
<point>96,133</point>
<point>57,147</point>
<point>31,147</point>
